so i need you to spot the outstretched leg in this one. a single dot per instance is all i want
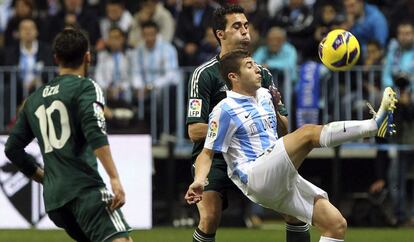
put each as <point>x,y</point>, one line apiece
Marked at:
<point>299,143</point>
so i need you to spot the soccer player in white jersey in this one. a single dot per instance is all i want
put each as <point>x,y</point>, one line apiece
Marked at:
<point>243,127</point>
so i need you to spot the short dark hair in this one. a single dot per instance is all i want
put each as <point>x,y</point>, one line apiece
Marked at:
<point>219,20</point>
<point>116,28</point>
<point>404,22</point>
<point>230,63</point>
<point>149,24</point>
<point>375,43</point>
<point>70,47</point>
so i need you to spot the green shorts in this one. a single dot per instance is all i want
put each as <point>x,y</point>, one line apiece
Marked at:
<point>218,180</point>
<point>88,218</point>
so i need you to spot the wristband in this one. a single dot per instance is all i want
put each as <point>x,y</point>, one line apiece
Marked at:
<point>282,110</point>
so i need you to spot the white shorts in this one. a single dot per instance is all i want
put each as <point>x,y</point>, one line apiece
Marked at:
<point>274,182</point>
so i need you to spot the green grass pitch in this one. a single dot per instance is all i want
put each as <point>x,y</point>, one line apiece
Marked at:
<point>224,235</point>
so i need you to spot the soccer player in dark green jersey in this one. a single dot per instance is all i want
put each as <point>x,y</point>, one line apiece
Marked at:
<point>206,89</point>
<point>66,117</point>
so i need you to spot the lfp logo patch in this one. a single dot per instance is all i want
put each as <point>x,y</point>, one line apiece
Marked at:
<point>194,108</point>
<point>213,129</point>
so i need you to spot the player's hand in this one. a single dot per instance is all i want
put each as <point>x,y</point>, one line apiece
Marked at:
<point>195,192</point>
<point>119,195</point>
<point>276,96</point>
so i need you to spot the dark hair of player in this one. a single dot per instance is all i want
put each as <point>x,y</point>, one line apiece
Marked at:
<point>230,63</point>
<point>219,20</point>
<point>70,47</point>
<point>149,24</point>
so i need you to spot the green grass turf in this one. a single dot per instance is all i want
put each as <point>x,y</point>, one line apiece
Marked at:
<point>224,235</point>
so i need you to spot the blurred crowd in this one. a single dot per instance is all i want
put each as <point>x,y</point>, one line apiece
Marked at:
<point>139,45</point>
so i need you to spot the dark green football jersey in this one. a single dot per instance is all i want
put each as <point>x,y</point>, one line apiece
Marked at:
<point>206,88</point>
<point>66,117</point>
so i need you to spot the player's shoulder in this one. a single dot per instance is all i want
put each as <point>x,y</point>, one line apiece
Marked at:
<point>264,70</point>
<point>209,69</point>
<point>226,104</point>
<point>263,92</point>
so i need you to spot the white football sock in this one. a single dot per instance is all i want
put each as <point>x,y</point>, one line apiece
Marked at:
<point>337,133</point>
<point>327,239</point>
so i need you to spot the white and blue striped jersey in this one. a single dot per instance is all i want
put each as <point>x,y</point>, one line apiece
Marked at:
<point>242,128</point>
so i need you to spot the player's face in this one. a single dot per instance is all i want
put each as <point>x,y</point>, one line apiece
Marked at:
<point>250,77</point>
<point>150,36</point>
<point>236,35</point>
<point>405,35</point>
<point>115,40</point>
<point>275,40</point>
<point>27,31</point>
<point>354,7</point>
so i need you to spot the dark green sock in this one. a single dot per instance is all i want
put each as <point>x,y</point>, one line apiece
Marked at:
<point>200,236</point>
<point>297,232</point>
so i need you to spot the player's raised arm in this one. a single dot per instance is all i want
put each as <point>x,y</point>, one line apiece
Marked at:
<point>282,121</point>
<point>202,168</point>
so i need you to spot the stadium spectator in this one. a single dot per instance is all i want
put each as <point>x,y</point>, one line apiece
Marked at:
<point>256,39</point>
<point>113,69</point>
<point>154,68</point>
<point>74,13</point>
<point>402,166</point>
<point>30,56</point>
<point>152,10</point>
<point>397,10</point>
<point>194,19</point>
<point>278,55</point>
<point>327,18</point>
<point>256,13</point>
<point>208,47</point>
<point>400,55</point>
<point>265,170</point>
<point>154,62</point>
<point>71,106</point>
<point>116,16</point>
<point>6,12</point>
<point>297,19</point>
<point>371,70</point>
<point>23,9</point>
<point>366,22</point>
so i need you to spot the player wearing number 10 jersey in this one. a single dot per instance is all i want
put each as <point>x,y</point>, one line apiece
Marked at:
<point>66,117</point>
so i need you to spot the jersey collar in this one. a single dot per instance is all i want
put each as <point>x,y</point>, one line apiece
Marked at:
<point>236,95</point>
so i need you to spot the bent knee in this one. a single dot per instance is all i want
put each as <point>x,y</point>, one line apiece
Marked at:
<point>342,225</point>
<point>308,132</point>
<point>337,226</point>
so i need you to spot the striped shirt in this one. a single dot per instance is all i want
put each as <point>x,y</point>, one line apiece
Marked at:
<point>157,66</point>
<point>242,128</point>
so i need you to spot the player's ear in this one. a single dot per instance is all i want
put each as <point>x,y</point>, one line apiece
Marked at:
<point>232,76</point>
<point>88,57</point>
<point>220,34</point>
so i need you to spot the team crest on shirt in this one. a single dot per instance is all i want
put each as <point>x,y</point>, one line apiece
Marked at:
<point>194,108</point>
<point>100,116</point>
<point>212,130</point>
<point>23,193</point>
